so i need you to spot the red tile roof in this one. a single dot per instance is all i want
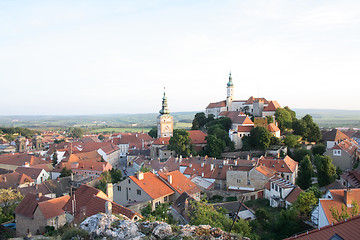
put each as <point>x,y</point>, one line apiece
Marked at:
<point>53,207</point>
<point>152,185</point>
<point>180,183</point>
<point>273,105</point>
<point>251,100</point>
<point>293,195</point>
<point>266,171</point>
<point>348,229</point>
<point>90,201</point>
<point>29,204</point>
<point>237,117</point>
<point>21,159</point>
<point>272,127</point>
<point>161,141</point>
<point>333,135</point>
<point>245,128</point>
<point>197,137</point>
<point>29,171</point>
<point>217,104</point>
<point>287,164</point>
<point>14,179</point>
<point>349,146</point>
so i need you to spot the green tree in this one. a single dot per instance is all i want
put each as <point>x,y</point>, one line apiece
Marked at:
<point>220,133</point>
<point>199,121</point>
<point>180,142</point>
<point>326,171</point>
<point>300,128</point>
<point>305,202</point>
<point>305,173</point>
<point>269,119</point>
<point>205,214</point>
<point>291,112</point>
<point>318,149</point>
<point>284,119</point>
<point>153,132</point>
<point>9,199</point>
<point>145,169</point>
<point>116,175</point>
<point>224,122</point>
<point>77,132</point>
<point>291,140</point>
<point>274,141</point>
<point>314,133</point>
<point>260,138</point>
<point>65,172</point>
<point>101,137</point>
<point>318,194</point>
<point>54,158</point>
<point>290,219</point>
<point>214,147</point>
<point>300,153</point>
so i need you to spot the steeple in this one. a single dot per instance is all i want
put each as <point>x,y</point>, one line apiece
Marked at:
<point>164,109</point>
<point>230,83</point>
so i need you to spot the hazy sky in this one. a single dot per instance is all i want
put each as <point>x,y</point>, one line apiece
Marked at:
<point>95,57</point>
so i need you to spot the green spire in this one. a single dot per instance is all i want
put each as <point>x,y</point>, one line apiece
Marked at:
<point>230,83</point>
<point>164,109</point>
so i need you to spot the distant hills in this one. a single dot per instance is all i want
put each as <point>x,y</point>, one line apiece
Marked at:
<point>324,117</point>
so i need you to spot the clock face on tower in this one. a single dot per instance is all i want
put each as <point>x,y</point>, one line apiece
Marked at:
<point>166,127</point>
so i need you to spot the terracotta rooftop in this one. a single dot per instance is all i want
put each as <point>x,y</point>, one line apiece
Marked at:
<point>251,100</point>
<point>348,229</point>
<point>217,104</point>
<point>161,141</point>
<point>333,135</point>
<point>179,183</point>
<point>279,165</point>
<point>53,207</point>
<point>273,128</point>
<point>197,137</point>
<point>237,117</point>
<point>14,179</point>
<point>293,195</point>
<point>265,171</point>
<point>152,185</point>
<point>21,159</point>
<point>29,171</point>
<point>349,146</point>
<point>29,204</point>
<point>273,105</point>
<point>245,128</point>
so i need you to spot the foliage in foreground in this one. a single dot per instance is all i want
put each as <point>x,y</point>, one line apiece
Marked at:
<point>9,199</point>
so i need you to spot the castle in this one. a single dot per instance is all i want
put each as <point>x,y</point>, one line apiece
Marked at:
<point>257,107</point>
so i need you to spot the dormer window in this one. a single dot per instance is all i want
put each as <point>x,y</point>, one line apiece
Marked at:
<point>337,152</point>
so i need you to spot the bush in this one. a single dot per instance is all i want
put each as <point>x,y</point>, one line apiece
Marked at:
<point>75,234</point>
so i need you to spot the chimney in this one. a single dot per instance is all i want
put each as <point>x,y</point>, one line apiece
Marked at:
<point>202,164</point>
<point>348,197</point>
<point>170,179</point>
<point>108,207</point>
<point>235,162</point>
<point>202,174</point>
<point>248,157</point>
<point>180,159</point>
<point>110,191</point>
<point>142,144</point>
<point>72,177</point>
<point>278,155</point>
<point>26,164</point>
<point>211,167</point>
<point>140,175</point>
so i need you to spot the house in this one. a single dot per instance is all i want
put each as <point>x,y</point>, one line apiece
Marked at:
<point>159,148</point>
<point>36,211</point>
<point>15,180</point>
<point>179,184</point>
<point>198,139</point>
<point>274,130</point>
<point>331,138</point>
<point>131,141</point>
<point>233,207</point>
<point>286,167</point>
<point>344,154</point>
<point>281,193</point>
<point>248,178</point>
<point>270,109</point>
<point>351,179</point>
<point>181,207</point>
<point>143,188</point>
<point>87,201</point>
<point>86,168</point>
<point>12,161</point>
<point>347,229</point>
<point>37,174</point>
<point>334,199</point>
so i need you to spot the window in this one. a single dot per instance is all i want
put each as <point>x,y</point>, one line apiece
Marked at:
<point>119,188</point>
<point>337,152</point>
<point>276,188</point>
<point>138,192</point>
<point>129,181</point>
<point>165,199</point>
<point>287,177</point>
<point>248,182</point>
<point>272,186</point>
<point>238,180</point>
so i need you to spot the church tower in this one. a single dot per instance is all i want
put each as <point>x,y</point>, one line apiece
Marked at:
<point>230,94</point>
<point>165,122</point>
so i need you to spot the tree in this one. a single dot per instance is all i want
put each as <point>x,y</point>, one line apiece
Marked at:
<point>199,121</point>
<point>9,199</point>
<point>220,133</point>
<point>260,138</point>
<point>153,132</point>
<point>284,119</point>
<point>305,173</point>
<point>318,149</point>
<point>300,128</point>
<point>180,142</point>
<point>77,132</point>
<point>274,141</point>
<point>314,133</point>
<point>65,172</point>
<point>116,175</point>
<point>214,147</point>
<point>204,214</point>
<point>326,170</point>
<point>291,140</point>
<point>300,153</point>
<point>269,119</point>
<point>305,202</point>
<point>291,112</point>
<point>318,194</point>
<point>224,122</point>
<point>101,137</point>
<point>344,214</point>
<point>145,169</point>
<point>54,158</point>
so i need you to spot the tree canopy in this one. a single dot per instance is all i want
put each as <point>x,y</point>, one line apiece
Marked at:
<point>215,146</point>
<point>305,173</point>
<point>180,142</point>
<point>153,132</point>
<point>9,199</point>
<point>305,202</point>
<point>284,118</point>
<point>291,140</point>
<point>326,170</point>
<point>76,132</point>
<point>260,138</point>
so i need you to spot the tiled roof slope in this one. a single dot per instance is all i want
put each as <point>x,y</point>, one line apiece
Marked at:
<point>29,204</point>
<point>237,117</point>
<point>14,179</point>
<point>348,229</point>
<point>348,145</point>
<point>53,207</point>
<point>217,104</point>
<point>333,135</point>
<point>197,137</point>
<point>21,159</point>
<point>152,185</point>
<point>180,183</point>
<point>273,128</point>
<point>31,172</point>
<point>273,105</point>
<point>280,165</point>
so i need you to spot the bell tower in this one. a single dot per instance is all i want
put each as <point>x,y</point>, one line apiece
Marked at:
<point>165,121</point>
<point>230,93</point>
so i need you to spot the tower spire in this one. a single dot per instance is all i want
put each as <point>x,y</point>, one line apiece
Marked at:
<point>230,83</point>
<point>164,108</point>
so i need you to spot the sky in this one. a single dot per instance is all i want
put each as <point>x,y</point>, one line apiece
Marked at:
<point>113,57</point>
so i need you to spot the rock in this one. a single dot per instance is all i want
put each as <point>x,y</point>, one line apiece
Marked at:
<point>162,231</point>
